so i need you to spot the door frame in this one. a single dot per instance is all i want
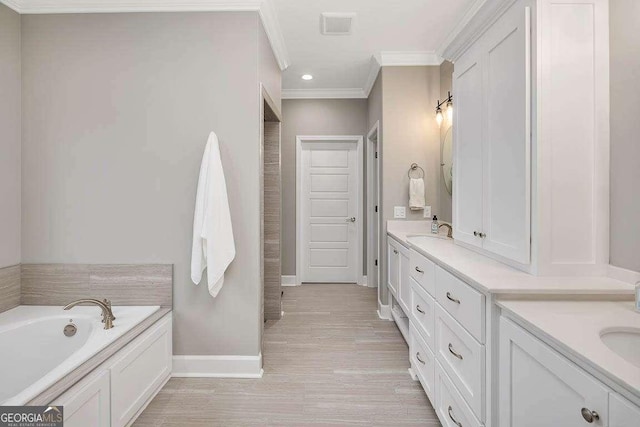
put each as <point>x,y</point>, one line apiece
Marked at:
<point>300,139</point>
<point>373,200</point>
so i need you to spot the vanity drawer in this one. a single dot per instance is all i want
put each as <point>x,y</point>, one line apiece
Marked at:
<point>464,303</point>
<point>423,271</point>
<point>450,406</point>
<point>462,358</point>
<point>423,313</point>
<point>422,361</point>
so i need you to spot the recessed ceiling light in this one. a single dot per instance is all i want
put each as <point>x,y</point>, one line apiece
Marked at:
<point>307,77</point>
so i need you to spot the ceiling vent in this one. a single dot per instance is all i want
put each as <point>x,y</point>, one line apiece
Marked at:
<point>332,23</point>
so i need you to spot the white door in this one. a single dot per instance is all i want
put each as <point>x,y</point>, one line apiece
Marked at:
<point>539,387</point>
<point>329,209</point>
<point>507,136</point>
<point>467,163</point>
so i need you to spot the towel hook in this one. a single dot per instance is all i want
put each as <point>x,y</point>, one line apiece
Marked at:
<point>414,168</point>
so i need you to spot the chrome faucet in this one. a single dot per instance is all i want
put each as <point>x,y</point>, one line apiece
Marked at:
<point>105,305</point>
<point>449,232</point>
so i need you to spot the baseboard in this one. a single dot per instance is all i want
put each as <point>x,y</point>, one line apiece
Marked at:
<point>384,312</point>
<point>218,366</point>
<point>363,281</point>
<point>622,274</point>
<point>290,281</point>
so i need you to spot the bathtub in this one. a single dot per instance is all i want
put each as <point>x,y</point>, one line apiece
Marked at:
<point>35,353</point>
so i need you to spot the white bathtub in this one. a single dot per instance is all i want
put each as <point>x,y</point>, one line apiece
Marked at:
<point>35,353</point>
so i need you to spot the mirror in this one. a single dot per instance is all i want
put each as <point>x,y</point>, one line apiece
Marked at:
<point>446,159</point>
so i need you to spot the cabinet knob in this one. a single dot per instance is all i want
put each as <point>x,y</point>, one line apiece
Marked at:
<point>482,235</point>
<point>475,233</point>
<point>589,415</point>
<point>395,252</point>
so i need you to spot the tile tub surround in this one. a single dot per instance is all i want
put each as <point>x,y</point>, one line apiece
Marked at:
<point>144,284</point>
<point>9,287</point>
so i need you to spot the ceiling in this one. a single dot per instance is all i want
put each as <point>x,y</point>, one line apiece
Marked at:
<point>396,32</point>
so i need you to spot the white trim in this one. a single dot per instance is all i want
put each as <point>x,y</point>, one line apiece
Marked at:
<point>359,196</point>
<point>340,93</point>
<point>409,58</point>
<point>289,281</point>
<point>372,201</point>
<point>218,366</point>
<point>265,10</point>
<point>384,312</point>
<point>363,280</point>
<point>623,274</point>
<point>374,70</point>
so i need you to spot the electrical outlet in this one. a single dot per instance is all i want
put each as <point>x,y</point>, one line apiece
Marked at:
<point>426,213</point>
<point>399,212</point>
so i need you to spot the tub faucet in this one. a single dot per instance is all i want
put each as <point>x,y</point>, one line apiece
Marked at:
<point>107,314</point>
<point>449,232</point>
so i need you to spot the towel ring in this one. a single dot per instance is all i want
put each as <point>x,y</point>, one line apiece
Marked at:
<point>414,168</point>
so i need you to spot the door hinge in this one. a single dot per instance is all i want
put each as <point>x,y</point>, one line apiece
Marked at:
<point>376,208</point>
<point>376,263</point>
<point>376,154</point>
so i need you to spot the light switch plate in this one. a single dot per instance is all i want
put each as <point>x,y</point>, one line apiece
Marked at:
<point>427,212</point>
<point>399,212</point>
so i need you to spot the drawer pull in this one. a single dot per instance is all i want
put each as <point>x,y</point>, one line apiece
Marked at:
<point>418,270</point>
<point>589,416</point>
<point>453,419</point>
<point>395,252</point>
<point>419,359</point>
<point>450,298</point>
<point>419,309</point>
<point>458,355</point>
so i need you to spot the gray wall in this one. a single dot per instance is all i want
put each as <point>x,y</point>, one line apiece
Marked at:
<point>625,134</point>
<point>10,139</point>
<point>310,117</point>
<point>445,202</point>
<point>116,112</point>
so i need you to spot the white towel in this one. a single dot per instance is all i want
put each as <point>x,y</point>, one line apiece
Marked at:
<point>213,246</point>
<point>416,194</point>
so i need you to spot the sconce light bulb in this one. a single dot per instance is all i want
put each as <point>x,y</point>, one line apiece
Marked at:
<point>439,117</point>
<point>450,111</point>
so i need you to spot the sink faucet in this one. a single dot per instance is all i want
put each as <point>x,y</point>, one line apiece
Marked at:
<point>449,232</point>
<point>105,305</point>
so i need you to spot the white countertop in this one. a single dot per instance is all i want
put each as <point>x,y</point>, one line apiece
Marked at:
<point>402,230</point>
<point>490,276</point>
<point>575,327</point>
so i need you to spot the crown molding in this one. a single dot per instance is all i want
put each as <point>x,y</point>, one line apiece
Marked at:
<point>480,16</point>
<point>408,58</point>
<point>374,69</point>
<point>265,9</point>
<point>348,93</point>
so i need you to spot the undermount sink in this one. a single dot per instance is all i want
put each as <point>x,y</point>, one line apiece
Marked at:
<point>625,342</point>
<point>435,236</point>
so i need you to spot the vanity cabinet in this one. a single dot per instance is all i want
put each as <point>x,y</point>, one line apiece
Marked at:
<point>538,387</point>
<point>491,86</point>
<point>393,266</point>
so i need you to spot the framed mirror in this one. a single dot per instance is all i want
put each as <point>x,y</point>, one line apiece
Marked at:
<point>446,159</point>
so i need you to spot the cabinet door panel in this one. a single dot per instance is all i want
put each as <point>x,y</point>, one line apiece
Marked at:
<point>467,163</point>
<point>404,286</point>
<point>539,387</point>
<point>393,268</point>
<point>623,413</point>
<point>507,142</point>
<point>87,403</point>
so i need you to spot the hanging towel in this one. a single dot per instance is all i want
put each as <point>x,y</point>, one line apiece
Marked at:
<point>416,194</point>
<point>213,246</point>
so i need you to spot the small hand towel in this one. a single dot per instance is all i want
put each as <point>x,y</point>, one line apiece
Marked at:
<point>416,194</point>
<point>213,245</point>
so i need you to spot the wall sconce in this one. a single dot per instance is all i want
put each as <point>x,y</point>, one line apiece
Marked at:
<point>449,106</point>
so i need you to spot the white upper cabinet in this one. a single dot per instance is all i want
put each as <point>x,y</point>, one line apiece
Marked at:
<point>531,142</point>
<point>493,139</point>
<point>467,171</point>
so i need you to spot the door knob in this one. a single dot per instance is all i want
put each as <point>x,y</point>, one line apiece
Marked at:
<point>352,219</point>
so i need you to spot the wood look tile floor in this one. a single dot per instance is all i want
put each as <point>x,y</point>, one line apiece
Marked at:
<point>330,361</point>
